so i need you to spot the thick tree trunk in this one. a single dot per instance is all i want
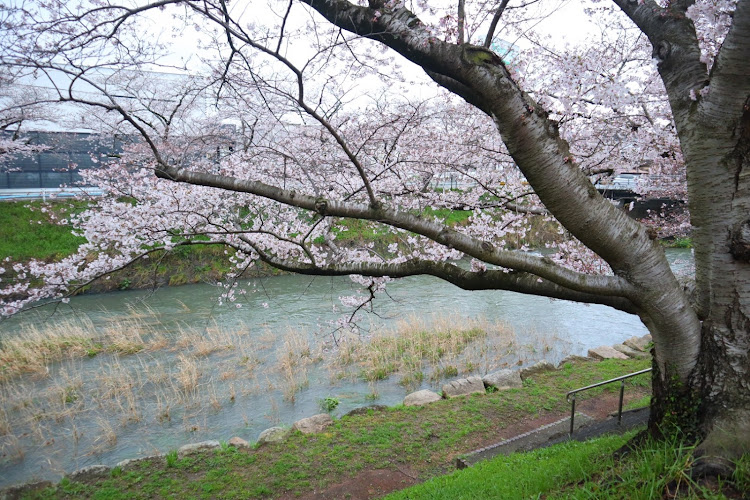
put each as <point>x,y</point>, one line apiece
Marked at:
<point>721,209</point>
<point>724,386</point>
<point>712,116</point>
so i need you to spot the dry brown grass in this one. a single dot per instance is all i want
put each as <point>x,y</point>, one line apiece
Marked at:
<point>107,433</point>
<point>70,376</point>
<point>35,348</point>
<point>61,378</point>
<point>412,347</point>
<point>293,362</point>
<point>186,377</point>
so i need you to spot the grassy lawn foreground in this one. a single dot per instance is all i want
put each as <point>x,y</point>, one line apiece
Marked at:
<point>426,440</point>
<point>586,470</point>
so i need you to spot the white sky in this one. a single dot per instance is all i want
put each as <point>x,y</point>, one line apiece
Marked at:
<point>566,23</point>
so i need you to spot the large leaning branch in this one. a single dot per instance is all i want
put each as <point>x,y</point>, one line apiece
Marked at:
<point>481,250</point>
<point>513,281</point>
<point>729,93</point>
<point>534,142</point>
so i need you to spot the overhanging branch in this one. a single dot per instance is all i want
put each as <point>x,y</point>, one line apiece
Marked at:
<point>481,250</point>
<point>467,280</point>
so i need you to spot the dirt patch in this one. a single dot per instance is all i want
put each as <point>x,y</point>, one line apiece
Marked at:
<point>367,484</point>
<point>604,405</point>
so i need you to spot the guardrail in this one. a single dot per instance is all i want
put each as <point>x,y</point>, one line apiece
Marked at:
<point>571,396</point>
<point>44,193</point>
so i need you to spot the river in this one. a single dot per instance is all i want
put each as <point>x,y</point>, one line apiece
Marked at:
<point>198,370</point>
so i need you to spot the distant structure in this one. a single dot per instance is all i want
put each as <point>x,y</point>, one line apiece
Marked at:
<point>70,136</point>
<point>67,153</point>
<point>506,50</point>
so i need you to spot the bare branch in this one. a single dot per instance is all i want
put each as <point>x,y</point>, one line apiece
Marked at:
<point>461,21</point>
<point>493,24</point>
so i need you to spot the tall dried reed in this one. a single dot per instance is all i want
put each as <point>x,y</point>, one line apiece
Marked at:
<point>412,347</point>
<point>69,376</point>
<point>186,377</point>
<point>294,358</point>
<point>37,346</point>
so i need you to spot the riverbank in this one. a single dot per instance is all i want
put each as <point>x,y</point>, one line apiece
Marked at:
<point>137,372</point>
<point>372,452</point>
<point>39,230</point>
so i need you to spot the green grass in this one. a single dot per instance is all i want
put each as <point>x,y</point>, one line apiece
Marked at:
<point>27,233</point>
<point>589,470</point>
<point>656,469</point>
<point>425,439</point>
<point>521,475</point>
<point>448,216</point>
<point>678,243</point>
<point>353,230</point>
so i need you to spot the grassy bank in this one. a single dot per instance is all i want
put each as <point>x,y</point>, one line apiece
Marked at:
<point>27,232</point>
<point>422,440</point>
<point>587,470</point>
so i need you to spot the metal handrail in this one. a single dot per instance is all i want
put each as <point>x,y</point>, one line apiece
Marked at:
<point>571,396</point>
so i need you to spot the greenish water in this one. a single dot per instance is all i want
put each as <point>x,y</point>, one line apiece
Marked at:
<point>110,407</point>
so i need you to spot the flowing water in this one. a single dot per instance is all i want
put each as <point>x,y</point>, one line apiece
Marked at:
<point>198,370</point>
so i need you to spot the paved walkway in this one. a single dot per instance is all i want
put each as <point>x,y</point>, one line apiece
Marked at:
<point>555,433</point>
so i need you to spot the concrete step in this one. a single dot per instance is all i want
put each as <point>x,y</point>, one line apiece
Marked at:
<point>525,442</point>
<point>555,433</point>
<point>630,420</point>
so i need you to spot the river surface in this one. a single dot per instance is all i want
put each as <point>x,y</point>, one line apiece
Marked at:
<point>275,364</point>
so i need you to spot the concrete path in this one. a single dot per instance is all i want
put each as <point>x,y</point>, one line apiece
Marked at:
<point>555,433</point>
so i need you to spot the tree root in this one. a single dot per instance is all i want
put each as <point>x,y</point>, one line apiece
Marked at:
<point>711,466</point>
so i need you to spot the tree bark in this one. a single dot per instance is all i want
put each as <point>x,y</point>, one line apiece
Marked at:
<point>719,188</point>
<point>533,141</point>
<point>712,116</point>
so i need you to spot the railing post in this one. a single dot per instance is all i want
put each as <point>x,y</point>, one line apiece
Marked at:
<point>619,409</point>
<point>571,396</point>
<point>572,413</point>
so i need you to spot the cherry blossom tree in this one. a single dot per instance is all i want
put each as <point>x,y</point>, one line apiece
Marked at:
<point>665,85</point>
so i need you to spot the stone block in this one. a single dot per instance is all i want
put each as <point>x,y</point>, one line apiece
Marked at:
<point>314,424</point>
<point>463,387</point>
<point>627,351</point>
<point>273,435</point>
<point>606,352</point>
<point>132,461</point>
<point>572,358</point>
<point>90,472</point>
<point>638,343</point>
<point>364,410</point>
<point>540,367</point>
<point>238,442</point>
<point>190,449</point>
<point>420,398</point>
<point>503,379</point>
